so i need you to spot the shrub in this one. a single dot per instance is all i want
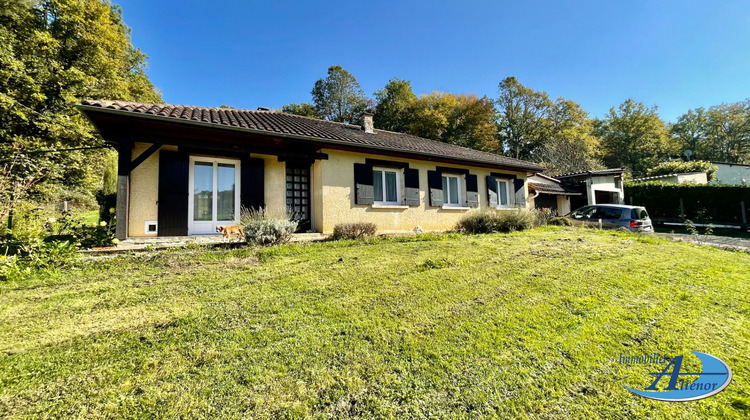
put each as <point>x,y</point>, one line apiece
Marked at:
<point>353,230</point>
<point>493,220</point>
<point>701,203</point>
<point>264,227</point>
<point>560,221</point>
<point>675,167</point>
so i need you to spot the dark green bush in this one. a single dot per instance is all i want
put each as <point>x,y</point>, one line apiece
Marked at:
<point>702,203</point>
<point>353,230</point>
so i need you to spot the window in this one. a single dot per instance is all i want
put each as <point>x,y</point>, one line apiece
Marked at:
<point>503,193</point>
<point>451,190</point>
<point>214,194</point>
<point>387,186</point>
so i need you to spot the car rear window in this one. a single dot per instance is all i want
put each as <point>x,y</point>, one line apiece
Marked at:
<point>638,213</point>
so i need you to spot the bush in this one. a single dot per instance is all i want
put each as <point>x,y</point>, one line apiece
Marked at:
<point>702,203</point>
<point>493,220</point>
<point>560,221</point>
<point>676,167</point>
<point>264,227</point>
<point>353,230</point>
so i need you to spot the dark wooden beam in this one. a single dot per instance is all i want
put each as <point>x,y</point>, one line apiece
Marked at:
<point>143,156</point>
<point>124,149</point>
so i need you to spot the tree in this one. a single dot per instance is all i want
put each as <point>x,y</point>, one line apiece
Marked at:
<point>394,106</point>
<point>522,119</point>
<point>53,53</point>
<point>728,127</point>
<point>633,136</point>
<point>305,109</point>
<point>570,145</point>
<point>690,132</point>
<point>339,97</point>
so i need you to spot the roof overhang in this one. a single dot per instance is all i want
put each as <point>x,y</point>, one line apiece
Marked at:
<point>117,126</point>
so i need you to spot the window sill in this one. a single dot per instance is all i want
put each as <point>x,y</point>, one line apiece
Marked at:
<point>460,208</point>
<point>389,206</point>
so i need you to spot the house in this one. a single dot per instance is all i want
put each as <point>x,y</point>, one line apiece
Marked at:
<point>678,178</point>
<point>603,186</point>
<point>731,174</point>
<point>184,170</point>
<point>551,193</point>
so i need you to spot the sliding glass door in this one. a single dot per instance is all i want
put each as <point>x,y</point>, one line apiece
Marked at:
<point>214,194</point>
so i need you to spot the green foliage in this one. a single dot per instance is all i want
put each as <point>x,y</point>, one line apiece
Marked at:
<point>702,203</point>
<point>675,167</point>
<point>109,177</point>
<point>523,119</point>
<point>356,230</point>
<point>53,53</point>
<point>266,227</point>
<point>633,137</point>
<point>393,111</point>
<point>494,220</point>
<point>721,133</point>
<point>339,97</point>
<point>303,109</point>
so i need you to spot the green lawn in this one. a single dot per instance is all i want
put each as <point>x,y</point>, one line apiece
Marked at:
<point>527,325</point>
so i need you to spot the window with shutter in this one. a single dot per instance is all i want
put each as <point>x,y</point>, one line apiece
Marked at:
<point>363,184</point>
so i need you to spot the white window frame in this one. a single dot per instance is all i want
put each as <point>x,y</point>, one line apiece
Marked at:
<point>500,183</point>
<point>209,227</point>
<point>399,174</point>
<point>447,193</point>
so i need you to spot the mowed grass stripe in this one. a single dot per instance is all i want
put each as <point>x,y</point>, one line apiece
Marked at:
<point>528,325</point>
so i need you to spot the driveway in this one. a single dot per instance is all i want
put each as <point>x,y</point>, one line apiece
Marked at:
<point>722,242</point>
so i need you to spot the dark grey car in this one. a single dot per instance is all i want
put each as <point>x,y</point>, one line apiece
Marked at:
<point>613,216</point>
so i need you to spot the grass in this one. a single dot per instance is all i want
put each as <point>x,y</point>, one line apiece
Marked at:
<point>520,325</point>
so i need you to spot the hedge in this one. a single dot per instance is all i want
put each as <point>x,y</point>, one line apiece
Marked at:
<point>702,203</point>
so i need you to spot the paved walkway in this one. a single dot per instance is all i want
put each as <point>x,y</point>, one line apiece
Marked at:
<point>722,242</point>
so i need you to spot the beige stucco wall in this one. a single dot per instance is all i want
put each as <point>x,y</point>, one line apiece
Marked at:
<point>695,178</point>
<point>144,190</point>
<point>563,205</point>
<point>335,177</point>
<point>332,189</point>
<point>274,182</point>
<point>144,187</point>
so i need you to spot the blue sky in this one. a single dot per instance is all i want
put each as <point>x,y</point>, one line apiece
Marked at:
<point>675,54</point>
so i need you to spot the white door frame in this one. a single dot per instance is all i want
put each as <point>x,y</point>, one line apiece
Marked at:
<point>209,227</point>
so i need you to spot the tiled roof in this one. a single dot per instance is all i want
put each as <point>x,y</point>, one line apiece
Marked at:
<point>295,126</point>
<point>552,188</point>
<point>615,171</point>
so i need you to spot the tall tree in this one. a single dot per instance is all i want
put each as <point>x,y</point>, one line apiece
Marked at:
<point>728,127</point>
<point>339,97</point>
<point>394,106</point>
<point>522,119</point>
<point>305,109</point>
<point>633,136</point>
<point>690,132</point>
<point>570,145</point>
<point>53,53</point>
